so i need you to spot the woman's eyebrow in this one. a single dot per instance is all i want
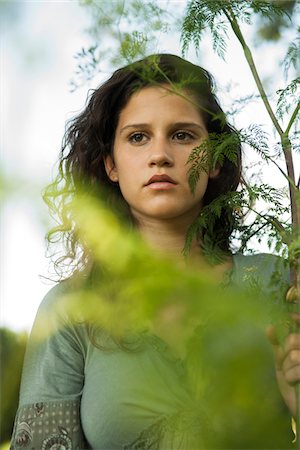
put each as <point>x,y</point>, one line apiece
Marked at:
<point>188,125</point>
<point>134,125</point>
<point>173,125</point>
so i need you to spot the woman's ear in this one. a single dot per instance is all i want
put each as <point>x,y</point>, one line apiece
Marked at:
<point>213,173</point>
<point>110,168</point>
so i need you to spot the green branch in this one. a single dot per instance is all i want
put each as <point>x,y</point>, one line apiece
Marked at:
<point>292,119</point>
<point>289,180</point>
<point>285,141</point>
<point>270,220</point>
<point>294,192</point>
<point>237,31</point>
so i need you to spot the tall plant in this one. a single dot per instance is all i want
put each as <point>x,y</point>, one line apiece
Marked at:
<point>218,16</point>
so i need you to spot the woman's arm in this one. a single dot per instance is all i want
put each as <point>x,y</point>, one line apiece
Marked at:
<point>52,380</point>
<point>48,424</point>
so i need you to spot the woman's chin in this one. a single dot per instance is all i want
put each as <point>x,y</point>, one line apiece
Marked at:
<point>165,214</point>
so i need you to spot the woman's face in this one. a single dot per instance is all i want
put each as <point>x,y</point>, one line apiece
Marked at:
<point>156,132</point>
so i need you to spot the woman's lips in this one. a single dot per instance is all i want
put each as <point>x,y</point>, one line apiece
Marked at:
<point>161,182</point>
<point>161,185</point>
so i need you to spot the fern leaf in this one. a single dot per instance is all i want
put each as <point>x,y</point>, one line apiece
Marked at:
<point>288,97</point>
<point>292,56</point>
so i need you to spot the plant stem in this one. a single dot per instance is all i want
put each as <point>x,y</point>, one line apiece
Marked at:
<point>294,193</point>
<point>286,144</point>
<point>292,119</point>
<point>248,55</point>
<point>285,141</point>
<point>287,150</point>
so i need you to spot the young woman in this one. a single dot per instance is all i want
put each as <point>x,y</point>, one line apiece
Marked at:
<point>132,143</point>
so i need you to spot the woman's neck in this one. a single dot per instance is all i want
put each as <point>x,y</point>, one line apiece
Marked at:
<point>167,238</point>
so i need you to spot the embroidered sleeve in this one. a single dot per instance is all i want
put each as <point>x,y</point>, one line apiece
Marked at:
<point>49,425</point>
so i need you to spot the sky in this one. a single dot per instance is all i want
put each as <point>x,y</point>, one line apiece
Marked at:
<point>37,63</point>
<point>38,42</point>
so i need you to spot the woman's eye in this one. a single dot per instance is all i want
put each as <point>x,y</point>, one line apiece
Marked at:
<point>137,138</point>
<point>183,136</point>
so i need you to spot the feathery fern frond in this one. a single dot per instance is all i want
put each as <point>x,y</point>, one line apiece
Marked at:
<point>200,162</point>
<point>257,139</point>
<point>202,15</point>
<point>268,9</point>
<point>133,45</point>
<point>292,56</point>
<point>119,21</point>
<point>295,141</point>
<point>206,219</point>
<point>288,97</point>
<point>213,15</point>
<point>210,153</point>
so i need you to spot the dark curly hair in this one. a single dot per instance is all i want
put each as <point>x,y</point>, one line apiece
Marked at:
<point>89,139</point>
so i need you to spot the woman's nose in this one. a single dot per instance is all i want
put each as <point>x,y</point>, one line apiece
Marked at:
<point>161,154</point>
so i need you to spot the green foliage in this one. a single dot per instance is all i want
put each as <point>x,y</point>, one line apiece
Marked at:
<point>125,39</point>
<point>211,153</point>
<point>261,201</point>
<point>267,205</point>
<point>213,15</point>
<point>202,15</point>
<point>206,219</point>
<point>288,98</point>
<point>11,360</point>
<point>292,56</point>
<point>133,44</point>
<point>239,104</point>
<point>199,16</point>
<point>87,63</point>
<point>134,290</point>
<point>236,396</point>
<point>257,139</point>
<point>272,29</point>
<point>270,211</point>
<point>139,282</point>
<point>294,253</point>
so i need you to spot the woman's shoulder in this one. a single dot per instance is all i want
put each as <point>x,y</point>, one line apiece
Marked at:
<point>259,259</point>
<point>54,300</point>
<point>56,293</point>
<point>269,272</point>
<point>268,261</point>
<point>57,346</point>
<point>61,306</point>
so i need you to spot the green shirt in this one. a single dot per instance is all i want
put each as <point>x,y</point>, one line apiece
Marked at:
<point>75,394</point>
